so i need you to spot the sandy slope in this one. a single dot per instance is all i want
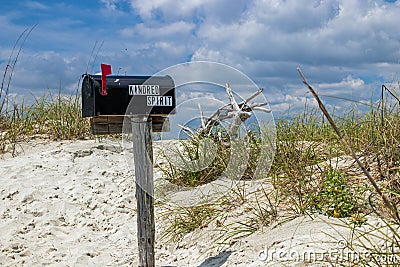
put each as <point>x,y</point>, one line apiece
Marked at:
<point>73,204</point>
<point>66,202</point>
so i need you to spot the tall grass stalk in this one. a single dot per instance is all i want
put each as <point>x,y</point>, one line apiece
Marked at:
<point>51,117</point>
<point>387,202</point>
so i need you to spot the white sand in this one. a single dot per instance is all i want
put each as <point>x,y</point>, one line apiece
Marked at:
<point>73,204</point>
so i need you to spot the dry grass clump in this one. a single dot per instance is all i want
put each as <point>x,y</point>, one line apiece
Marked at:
<point>49,117</point>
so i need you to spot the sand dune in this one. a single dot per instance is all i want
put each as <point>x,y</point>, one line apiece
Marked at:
<point>73,204</point>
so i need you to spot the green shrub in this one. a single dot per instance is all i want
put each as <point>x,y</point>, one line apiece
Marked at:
<point>336,197</point>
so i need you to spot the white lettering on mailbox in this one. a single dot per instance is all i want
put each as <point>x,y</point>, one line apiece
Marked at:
<point>164,101</point>
<point>146,89</point>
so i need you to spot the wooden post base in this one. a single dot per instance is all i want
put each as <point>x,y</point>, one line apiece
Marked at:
<point>143,157</point>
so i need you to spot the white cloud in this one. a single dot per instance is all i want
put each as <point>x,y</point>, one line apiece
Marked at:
<point>45,71</point>
<point>332,40</point>
<point>325,32</point>
<point>110,4</point>
<point>159,31</point>
<point>194,10</point>
<point>349,83</point>
<point>35,5</point>
<point>169,8</point>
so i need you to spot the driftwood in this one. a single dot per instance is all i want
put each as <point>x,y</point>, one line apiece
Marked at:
<point>238,112</point>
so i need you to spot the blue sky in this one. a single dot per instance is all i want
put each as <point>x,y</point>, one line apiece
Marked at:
<point>346,48</point>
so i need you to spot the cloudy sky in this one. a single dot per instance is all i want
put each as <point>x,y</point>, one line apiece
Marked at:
<point>346,48</point>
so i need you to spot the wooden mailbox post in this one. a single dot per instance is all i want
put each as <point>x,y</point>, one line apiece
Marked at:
<point>147,100</point>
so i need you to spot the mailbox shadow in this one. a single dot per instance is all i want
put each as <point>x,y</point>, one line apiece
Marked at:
<point>216,261</point>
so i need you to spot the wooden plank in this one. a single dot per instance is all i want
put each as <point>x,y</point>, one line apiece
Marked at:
<point>143,157</point>
<point>161,124</point>
<point>101,125</point>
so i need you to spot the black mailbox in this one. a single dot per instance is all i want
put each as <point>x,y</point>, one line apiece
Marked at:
<point>105,99</point>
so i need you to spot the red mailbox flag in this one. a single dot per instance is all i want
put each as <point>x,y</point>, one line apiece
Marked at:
<point>105,70</point>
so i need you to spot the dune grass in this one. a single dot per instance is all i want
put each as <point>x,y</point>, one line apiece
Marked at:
<point>313,173</point>
<point>49,117</point>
